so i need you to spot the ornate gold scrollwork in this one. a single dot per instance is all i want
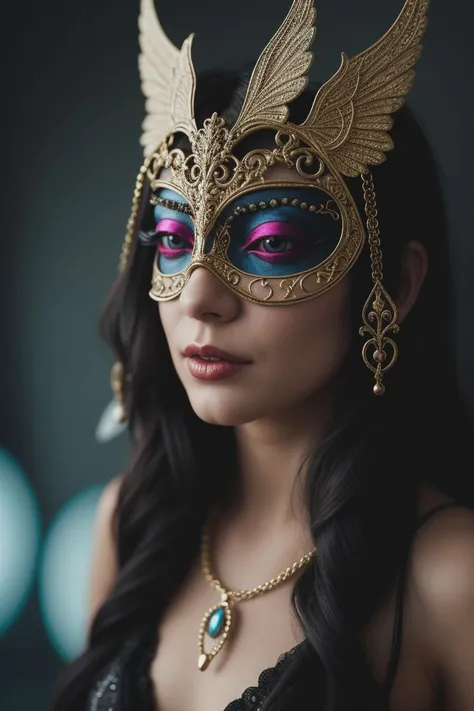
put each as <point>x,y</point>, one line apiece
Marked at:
<point>166,286</point>
<point>263,283</point>
<point>289,286</point>
<point>380,318</point>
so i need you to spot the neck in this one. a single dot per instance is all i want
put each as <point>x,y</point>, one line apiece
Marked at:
<point>271,459</point>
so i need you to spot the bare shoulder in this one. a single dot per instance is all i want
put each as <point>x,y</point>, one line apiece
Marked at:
<point>104,553</point>
<point>443,555</point>
<point>108,501</point>
<point>442,592</point>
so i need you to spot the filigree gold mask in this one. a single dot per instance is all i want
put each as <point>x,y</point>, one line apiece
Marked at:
<point>235,218</point>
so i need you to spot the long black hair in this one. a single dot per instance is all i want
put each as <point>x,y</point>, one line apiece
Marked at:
<point>362,481</point>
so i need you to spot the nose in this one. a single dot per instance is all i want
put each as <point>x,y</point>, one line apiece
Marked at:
<point>206,298</point>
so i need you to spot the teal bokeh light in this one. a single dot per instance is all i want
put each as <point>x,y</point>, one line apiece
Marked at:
<point>20,533</point>
<point>64,573</point>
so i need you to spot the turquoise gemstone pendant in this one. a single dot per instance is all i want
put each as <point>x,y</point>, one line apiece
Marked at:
<point>216,622</point>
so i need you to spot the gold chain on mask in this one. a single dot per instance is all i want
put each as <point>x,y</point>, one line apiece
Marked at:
<point>117,375</point>
<point>131,224</point>
<point>217,622</point>
<point>373,228</point>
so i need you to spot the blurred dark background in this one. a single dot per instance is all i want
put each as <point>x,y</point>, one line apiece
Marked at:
<point>71,112</point>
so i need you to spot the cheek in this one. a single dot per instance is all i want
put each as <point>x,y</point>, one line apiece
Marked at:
<point>169,318</point>
<point>163,312</point>
<point>307,341</point>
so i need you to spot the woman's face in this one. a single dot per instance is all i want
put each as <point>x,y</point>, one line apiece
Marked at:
<point>290,353</point>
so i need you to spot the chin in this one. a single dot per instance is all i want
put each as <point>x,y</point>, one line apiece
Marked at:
<point>224,409</point>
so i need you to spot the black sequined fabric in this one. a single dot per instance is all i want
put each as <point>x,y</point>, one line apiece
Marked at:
<point>125,685</point>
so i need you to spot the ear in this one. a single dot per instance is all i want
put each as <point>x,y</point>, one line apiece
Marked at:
<point>414,271</point>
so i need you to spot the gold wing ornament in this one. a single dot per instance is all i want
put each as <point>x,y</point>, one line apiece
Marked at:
<point>168,81</point>
<point>351,113</point>
<point>280,73</point>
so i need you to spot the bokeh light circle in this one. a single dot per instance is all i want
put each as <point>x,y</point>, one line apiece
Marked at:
<point>20,532</point>
<point>64,573</point>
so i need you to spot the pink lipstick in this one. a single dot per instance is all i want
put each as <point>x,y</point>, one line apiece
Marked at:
<point>210,363</point>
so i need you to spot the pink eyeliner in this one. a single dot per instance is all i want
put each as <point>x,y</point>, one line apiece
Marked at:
<point>174,228</point>
<point>274,229</point>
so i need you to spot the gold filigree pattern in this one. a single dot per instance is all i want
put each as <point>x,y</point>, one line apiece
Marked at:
<point>225,271</point>
<point>263,283</point>
<point>380,319</point>
<point>211,177</point>
<point>167,287</point>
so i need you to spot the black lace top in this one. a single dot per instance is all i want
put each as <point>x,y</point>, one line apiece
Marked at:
<point>125,685</point>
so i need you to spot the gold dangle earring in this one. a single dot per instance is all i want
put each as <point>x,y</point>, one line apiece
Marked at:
<point>117,385</point>
<point>380,313</point>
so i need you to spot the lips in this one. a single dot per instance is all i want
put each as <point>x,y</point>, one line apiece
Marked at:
<point>193,351</point>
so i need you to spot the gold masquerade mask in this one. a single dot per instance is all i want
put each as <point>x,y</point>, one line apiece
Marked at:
<point>283,241</point>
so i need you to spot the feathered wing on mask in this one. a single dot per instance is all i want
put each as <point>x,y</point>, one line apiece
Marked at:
<point>352,113</point>
<point>281,71</point>
<point>168,81</point>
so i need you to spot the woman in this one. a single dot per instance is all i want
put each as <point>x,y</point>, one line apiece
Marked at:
<point>279,505</point>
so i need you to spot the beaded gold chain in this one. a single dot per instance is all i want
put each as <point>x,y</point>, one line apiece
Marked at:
<point>218,621</point>
<point>324,208</point>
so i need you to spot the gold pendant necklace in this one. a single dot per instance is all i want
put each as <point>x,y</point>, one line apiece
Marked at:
<point>218,620</point>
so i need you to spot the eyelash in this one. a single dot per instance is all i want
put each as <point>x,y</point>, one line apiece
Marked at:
<point>167,229</point>
<point>299,247</point>
<point>169,252</point>
<point>152,239</point>
<point>176,252</point>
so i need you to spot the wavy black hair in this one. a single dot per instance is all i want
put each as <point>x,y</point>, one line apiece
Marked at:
<point>362,482</point>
